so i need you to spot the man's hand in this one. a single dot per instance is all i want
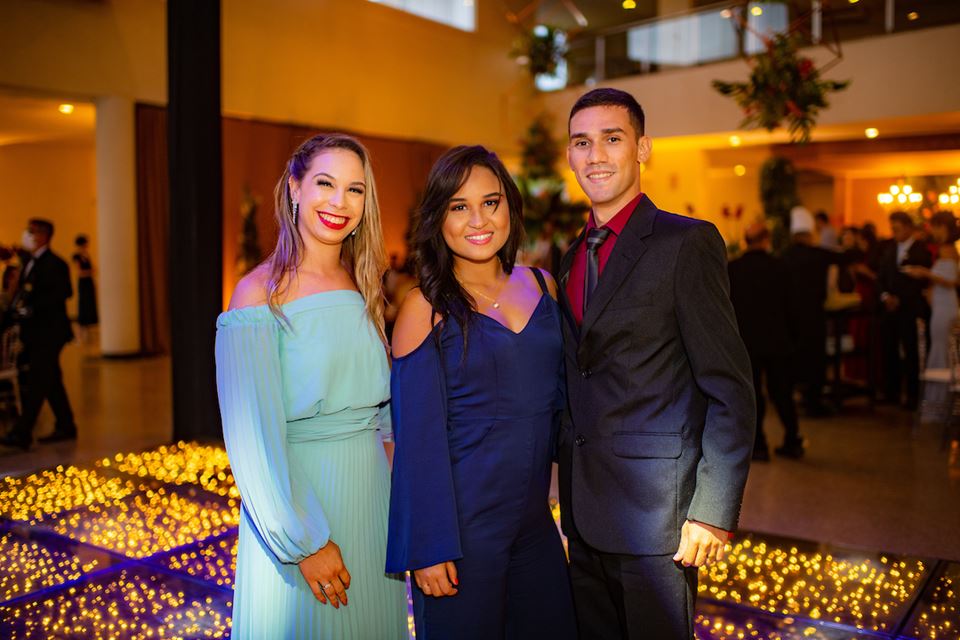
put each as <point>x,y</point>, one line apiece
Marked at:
<point>700,544</point>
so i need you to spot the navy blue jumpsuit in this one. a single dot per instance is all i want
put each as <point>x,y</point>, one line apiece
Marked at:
<point>475,437</point>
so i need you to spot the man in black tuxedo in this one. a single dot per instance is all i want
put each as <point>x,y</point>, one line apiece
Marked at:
<point>902,304</point>
<point>40,307</point>
<point>655,447</point>
<point>760,289</point>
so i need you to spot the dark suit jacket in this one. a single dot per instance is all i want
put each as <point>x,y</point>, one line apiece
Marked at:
<point>661,414</point>
<point>44,291</point>
<point>760,292</point>
<point>893,281</point>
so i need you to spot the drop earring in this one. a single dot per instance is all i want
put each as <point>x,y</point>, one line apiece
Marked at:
<point>296,209</point>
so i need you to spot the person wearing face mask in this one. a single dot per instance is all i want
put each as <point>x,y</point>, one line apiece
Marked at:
<point>40,307</point>
<point>303,384</point>
<point>476,389</point>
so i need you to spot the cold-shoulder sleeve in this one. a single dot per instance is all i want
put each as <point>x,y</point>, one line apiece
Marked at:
<point>424,527</point>
<point>280,501</point>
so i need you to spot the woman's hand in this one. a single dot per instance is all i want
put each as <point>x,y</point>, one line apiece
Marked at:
<point>326,575</point>
<point>914,271</point>
<point>439,580</point>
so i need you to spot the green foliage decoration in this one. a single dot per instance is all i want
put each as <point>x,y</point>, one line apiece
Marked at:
<point>784,87</point>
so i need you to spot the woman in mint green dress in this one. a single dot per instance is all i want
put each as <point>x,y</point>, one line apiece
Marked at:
<point>304,385</point>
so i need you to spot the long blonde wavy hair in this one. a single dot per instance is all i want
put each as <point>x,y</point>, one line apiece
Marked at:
<point>363,254</point>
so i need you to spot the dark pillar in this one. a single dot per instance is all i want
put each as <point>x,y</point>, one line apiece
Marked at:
<point>196,245</point>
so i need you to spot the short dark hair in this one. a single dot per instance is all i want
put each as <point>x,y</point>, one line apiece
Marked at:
<point>756,236</point>
<point>44,225</point>
<point>81,240</point>
<point>902,217</point>
<point>608,97</point>
<point>949,221</point>
<point>822,216</point>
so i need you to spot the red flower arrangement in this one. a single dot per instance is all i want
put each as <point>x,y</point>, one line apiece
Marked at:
<point>783,87</point>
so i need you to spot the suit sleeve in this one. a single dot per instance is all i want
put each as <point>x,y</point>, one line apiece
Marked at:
<point>721,370</point>
<point>424,527</point>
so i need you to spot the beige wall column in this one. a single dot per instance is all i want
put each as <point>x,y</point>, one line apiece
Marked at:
<point>118,293</point>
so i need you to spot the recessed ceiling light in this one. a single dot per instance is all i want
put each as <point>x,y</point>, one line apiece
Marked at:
<point>913,15</point>
<point>735,141</point>
<point>65,109</point>
<point>740,170</point>
<point>871,132</point>
<point>756,11</point>
<point>726,14</point>
<point>629,4</point>
<point>854,1</point>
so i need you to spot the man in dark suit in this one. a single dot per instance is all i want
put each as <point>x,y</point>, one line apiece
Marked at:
<point>809,267</point>
<point>655,448</point>
<point>760,291</point>
<point>40,307</point>
<point>902,305</point>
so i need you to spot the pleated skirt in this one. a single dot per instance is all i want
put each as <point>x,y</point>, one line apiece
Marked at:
<point>272,600</point>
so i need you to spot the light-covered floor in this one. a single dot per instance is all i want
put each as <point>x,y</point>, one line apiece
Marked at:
<point>868,481</point>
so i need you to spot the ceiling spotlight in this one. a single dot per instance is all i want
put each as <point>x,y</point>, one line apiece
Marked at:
<point>740,170</point>
<point>756,11</point>
<point>913,15</point>
<point>735,141</point>
<point>871,133</point>
<point>944,198</point>
<point>854,1</point>
<point>629,4</point>
<point>65,109</point>
<point>726,14</point>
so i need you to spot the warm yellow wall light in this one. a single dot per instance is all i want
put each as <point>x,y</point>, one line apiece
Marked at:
<point>629,4</point>
<point>740,170</point>
<point>871,133</point>
<point>735,141</point>
<point>65,109</point>
<point>756,11</point>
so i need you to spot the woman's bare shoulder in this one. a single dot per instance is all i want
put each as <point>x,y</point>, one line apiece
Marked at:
<point>251,291</point>
<point>414,323</point>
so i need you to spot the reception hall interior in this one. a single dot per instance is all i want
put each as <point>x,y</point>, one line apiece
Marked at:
<point>151,133</point>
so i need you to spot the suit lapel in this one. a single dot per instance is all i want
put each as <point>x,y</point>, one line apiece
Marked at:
<point>565,265</point>
<point>628,250</point>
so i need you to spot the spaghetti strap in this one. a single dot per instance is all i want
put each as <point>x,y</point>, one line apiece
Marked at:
<point>539,276</point>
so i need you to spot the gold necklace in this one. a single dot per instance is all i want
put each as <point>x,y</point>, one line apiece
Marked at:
<point>495,304</point>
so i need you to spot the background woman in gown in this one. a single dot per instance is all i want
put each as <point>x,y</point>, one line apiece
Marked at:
<point>476,387</point>
<point>943,303</point>
<point>86,290</point>
<point>303,383</point>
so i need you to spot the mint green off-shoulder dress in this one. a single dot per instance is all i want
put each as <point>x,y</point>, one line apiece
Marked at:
<point>305,409</point>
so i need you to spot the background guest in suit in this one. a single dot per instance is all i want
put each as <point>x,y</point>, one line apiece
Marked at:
<point>760,291</point>
<point>808,265</point>
<point>41,308</point>
<point>655,450</point>
<point>903,304</point>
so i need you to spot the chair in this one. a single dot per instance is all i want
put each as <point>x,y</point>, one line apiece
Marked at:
<point>9,348</point>
<point>940,408</point>
<point>953,361</point>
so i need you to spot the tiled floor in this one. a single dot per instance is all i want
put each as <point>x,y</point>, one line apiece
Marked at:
<point>107,545</point>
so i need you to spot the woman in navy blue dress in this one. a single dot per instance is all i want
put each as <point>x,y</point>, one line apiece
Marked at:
<point>476,389</point>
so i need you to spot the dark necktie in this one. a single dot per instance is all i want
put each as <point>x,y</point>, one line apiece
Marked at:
<point>595,238</point>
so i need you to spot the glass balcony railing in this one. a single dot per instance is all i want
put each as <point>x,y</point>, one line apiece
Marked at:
<point>713,33</point>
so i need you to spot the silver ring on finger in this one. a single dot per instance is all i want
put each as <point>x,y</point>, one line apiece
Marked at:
<point>324,587</point>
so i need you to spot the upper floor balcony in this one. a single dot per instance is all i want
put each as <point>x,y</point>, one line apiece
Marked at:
<point>728,30</point>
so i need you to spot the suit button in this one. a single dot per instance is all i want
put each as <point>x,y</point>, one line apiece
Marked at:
<point>580,440</point>
<point>586,373</point>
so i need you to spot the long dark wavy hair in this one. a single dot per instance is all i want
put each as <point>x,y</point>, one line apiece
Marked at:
<point>438,282</point>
